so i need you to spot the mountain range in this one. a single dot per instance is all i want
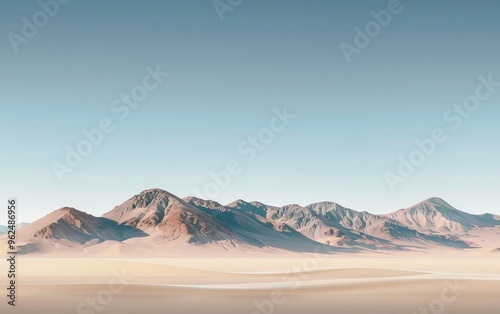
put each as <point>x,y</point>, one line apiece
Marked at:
<point>156,222</point>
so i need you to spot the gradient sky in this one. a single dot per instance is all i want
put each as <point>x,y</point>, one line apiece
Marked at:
<point>352,120</point>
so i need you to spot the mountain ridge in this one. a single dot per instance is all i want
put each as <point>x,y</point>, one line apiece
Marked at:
<point>159,221</point>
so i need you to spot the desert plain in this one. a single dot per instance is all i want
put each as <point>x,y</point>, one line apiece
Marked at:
<point>305,283</point>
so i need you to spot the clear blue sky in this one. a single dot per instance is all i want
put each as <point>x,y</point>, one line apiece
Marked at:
<point>352,121</point>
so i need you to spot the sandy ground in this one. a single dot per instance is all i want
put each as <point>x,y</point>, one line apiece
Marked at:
<point>310,284</point>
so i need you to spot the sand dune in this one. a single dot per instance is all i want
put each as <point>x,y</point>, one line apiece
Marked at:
<point>304,285</point>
